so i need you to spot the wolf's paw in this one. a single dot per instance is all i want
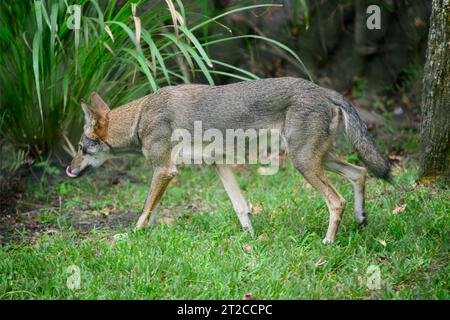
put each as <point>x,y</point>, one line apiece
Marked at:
<point>362,222</point>
<point>141,226</point>
<point>138,229</point>
<point>327,241</point>
<point>361,217</point>
<point>250,230</point>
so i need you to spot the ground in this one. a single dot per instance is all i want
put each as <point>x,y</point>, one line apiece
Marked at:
<point>197,249</point>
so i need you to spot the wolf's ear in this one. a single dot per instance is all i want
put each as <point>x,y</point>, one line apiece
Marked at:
<point>88,116</point>
<point>98,105</point>
<point>95,117</point>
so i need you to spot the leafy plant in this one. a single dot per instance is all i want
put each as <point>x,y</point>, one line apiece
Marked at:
<point>51,60</point>
<point>15,160</point>
<point>295,12</point>
<point>359,88</point>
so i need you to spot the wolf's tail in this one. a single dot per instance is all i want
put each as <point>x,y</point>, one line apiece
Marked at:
<point>362,141</point>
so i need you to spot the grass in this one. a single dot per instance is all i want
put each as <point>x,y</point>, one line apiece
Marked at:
<point>197,249</point>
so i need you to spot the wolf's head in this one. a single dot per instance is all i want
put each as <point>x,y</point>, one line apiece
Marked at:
<point>92,148</point>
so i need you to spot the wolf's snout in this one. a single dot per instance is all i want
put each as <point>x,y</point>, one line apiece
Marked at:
<point>70,173</point>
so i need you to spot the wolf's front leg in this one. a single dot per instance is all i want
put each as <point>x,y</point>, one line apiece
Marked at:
<point>161,179</point>
<point>237,198</point>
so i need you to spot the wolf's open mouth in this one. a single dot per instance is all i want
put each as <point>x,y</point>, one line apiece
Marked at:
<point>72,175</point>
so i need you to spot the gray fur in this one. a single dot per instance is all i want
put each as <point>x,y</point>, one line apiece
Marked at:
<point>307,114</point>
<point>295,103</point>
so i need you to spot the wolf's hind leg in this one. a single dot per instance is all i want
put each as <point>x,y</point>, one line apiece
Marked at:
<point>357,176</point>
<point>237,198</point>
<point>313,172</point>
<point>160,180</point>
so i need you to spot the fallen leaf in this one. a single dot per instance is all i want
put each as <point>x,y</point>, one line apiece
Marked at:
<point>257,209</point>
<point>418,22</point>
<point>51,231</point>
<point>167,220</point>
<point>427,181</point>
<point>105,211</point>
<point>383,243</point>
<point>396,158</point>
<point>247,248</point>
<point>120,237</point>
<point>266,171</point>
<point>262,236</point>
<point>399,209</point>
<point>248,296</point>
<point>320,262</point>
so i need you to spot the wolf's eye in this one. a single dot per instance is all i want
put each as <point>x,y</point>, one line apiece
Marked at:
<point>84,149</point>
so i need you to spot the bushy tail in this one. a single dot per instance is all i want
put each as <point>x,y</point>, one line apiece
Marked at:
<point>363,143</point>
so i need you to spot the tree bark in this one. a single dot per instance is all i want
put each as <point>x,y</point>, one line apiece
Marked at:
<point>435,127</point>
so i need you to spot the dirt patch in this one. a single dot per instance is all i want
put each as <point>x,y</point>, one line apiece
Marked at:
<point>29,225</point>
<point>25,217</point>
<point>11,190</point>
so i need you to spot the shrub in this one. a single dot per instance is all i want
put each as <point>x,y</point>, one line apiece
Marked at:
<point>48,65</point>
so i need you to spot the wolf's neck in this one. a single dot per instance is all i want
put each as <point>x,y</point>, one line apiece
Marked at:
<point>123,123</point>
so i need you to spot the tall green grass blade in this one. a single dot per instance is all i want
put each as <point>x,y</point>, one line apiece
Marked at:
<point>122,25</point>
<point>101,19</point>
<point>173,14</point>
<point>65,91</point>
<point>248,73</point>
<point>86,32</point>
<point>53,26</point>
<point>197,45</point>
<point>45,15</point>
<point>181,6</point>
<point>201,64</point>
<point>179,76</point>
<point>181,46</point>
<point>277,43</point>
<point>306,13</point>
<point>144,67</point>
<point>230,75</point>
<point>35,52</point>
<point>38,12</point>
<point>110,9</point>
<point>147,38</point>
<point>201,24</point>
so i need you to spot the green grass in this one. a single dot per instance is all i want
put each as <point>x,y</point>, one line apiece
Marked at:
<point>200,255</point>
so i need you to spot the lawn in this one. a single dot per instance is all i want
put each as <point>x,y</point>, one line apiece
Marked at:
<point>197,249</point>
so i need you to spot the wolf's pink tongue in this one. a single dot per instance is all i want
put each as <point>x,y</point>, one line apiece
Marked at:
<point>70,174</point>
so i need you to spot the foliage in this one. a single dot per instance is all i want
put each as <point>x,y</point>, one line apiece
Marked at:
<point>122,51</point>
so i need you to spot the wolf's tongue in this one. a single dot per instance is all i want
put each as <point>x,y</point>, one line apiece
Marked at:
<point>70,174</point>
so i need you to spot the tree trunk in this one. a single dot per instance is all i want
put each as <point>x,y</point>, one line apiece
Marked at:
<point>435,128</point>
